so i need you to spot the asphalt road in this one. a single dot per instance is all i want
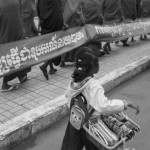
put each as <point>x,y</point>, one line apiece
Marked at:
<point>136,89</point>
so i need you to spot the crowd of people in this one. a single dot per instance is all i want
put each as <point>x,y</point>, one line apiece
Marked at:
<point>105,12</point>
<point>71,13</point>
<point>17,23</point>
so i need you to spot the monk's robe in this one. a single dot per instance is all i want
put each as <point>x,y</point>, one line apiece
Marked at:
<point>129,9</point>
<point>11,28</point>
<point>27,13</point>
<point>50,15</point>
<point>78,12</point>
<point>145,8</point>
<point>92,11</point>
<point>111,10</point>
<point>138,2</point>
<point>93,15</point>
<point>82,11</point>
<point>72,14</point>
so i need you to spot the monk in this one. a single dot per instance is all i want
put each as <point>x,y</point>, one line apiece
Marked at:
<point>145,8</point>
<point>11,29</point>
<point>72,14</point>
<point>129,9</point>
<point>27,13</point>
<point>112,12</point>
<point>77,13</point>
<point>51,20</point>
<point>92,11</point>
<point>138,2</point>
<point>144,13</point>
<point>129,12</point>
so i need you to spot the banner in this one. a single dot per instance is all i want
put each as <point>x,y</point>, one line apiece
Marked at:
<point>29,52</point>
<point>115,31</point>
<point>22,54</point>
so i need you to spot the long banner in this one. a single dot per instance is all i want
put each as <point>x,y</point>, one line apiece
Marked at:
<point>29,52</point>
<point>22,54</point>
<point>117,31</point>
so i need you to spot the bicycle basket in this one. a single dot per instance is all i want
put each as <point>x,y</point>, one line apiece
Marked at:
<point>109,132</point>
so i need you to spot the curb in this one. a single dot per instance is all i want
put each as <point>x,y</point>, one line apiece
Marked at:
<point>38,119</point>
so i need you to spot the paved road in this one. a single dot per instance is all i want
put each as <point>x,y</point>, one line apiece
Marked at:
<point>136,89</point>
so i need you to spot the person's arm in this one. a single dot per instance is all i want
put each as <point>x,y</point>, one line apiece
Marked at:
<point>101,103</point>
<point>140,10</point>
<point>81,13</point>
<point>38,8</point>
<point>121,11</point>
<point>135,12</point>
<point>21,9</point>
<point>1,29</point>
<point>102,9</point>
<point>130,104</point>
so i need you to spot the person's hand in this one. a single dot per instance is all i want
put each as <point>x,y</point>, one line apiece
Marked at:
<point>133,106</point>
<point>122,19</point>
<point>65,27</point>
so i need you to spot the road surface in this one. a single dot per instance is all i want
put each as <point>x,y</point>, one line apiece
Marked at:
<point>136,89</point>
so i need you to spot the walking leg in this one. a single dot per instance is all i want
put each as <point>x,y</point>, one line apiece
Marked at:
<point>44,69</point>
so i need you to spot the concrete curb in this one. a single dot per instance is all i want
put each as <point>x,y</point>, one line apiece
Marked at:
<point>31,122</point>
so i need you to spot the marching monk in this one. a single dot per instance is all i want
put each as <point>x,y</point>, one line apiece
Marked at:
<point>72,17</point>
<point>144,13</point>
<point>72,14</point>
<point>112,12</point>
<point>145,8</point>
<point>11,29</point>
<point>92,11</point>
<point>129,9</point>
<point>27,14</point>
<point>93,15</point>
<point>77,13</point>
<point>129,12</point>
<point>80,12</point>
<point>138,7</point>
<point>51,20</point>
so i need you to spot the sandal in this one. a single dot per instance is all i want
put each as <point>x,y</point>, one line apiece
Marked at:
<point>44,71</point>
<point>23,79</point>
<point>11,88</point>
<point>62,64</point>
<point>52,71</point>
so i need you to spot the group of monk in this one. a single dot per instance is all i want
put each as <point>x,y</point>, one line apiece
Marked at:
<point>54,15</point>
<point>80,12</point>
<point>16,23</point>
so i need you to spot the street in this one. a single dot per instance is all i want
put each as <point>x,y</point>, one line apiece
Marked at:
<point>33,106</point>
<point>136,89</point>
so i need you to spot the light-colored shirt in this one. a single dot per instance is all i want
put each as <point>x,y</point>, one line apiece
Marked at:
<point>94,94</point>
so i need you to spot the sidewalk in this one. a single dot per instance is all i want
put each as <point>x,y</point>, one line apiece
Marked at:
<point>37,91</point>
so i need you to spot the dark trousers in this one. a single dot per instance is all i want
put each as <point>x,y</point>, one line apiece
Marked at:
<point>46,63</point>
<point>18,74</point>
<point>124,41</point>
<point>76,140</point>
